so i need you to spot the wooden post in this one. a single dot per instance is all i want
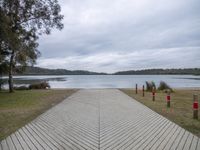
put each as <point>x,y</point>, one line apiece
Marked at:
<point>153,93</point>
<point>136,89</point>
<point>143,90</point>
<point>195,106</point>
<point>168,98</point>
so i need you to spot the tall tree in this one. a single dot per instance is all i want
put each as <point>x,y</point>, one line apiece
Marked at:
<point>3,45</point>
<point>26,20</point>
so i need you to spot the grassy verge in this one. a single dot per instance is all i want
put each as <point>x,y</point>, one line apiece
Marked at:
<point>19,108</point>
<point>180,111</point>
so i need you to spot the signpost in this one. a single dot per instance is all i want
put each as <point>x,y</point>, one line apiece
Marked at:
<point>168,98</point>
<point>195,106</point>
<point>153,93</point>
<point>143,90</point>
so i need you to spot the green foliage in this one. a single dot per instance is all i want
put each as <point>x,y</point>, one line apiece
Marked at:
<point>164,87</point>
<point>5,31</point>
<point>150,86</point>
<point>43,85</point>
<point>153,85</point>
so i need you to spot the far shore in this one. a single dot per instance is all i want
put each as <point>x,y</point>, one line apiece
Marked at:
<point>17,75</point>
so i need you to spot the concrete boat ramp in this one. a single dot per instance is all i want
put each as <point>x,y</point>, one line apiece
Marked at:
<point>100,119</point>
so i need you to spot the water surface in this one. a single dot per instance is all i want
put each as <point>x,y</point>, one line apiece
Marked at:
<point>108,81</point>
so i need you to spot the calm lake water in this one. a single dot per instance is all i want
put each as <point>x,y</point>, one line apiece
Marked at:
<point>108,81</point>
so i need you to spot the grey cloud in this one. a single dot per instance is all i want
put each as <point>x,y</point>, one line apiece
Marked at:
<point>102,35</point>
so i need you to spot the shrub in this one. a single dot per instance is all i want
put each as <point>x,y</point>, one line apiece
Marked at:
<point>150,85</point>
<point>153,84</point>
<point>164,87</point>
<point>21,88</point>
<point>43,85</point>
<point>2,82</point>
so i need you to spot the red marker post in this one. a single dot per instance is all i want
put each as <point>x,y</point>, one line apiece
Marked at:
<point>143,90</point>
<point>168,98</point>
<point>153,93</point>
<point>195,106</point>
<point>136,89</point>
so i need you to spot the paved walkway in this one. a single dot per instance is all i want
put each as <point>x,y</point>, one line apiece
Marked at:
<point>100,119</point>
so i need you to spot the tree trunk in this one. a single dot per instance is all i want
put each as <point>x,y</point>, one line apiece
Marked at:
<point>10,80</point>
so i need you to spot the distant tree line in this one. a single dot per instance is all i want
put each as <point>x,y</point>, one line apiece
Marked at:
<point>43,71</point>
<point>192,71</point>
<point>21,24</point>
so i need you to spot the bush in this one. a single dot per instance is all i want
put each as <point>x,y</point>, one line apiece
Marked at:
<point>2,82</point>
<point>153,85</point>
<point>164,87</point>
<point>43,85</point>
<point>21,88</point>
<point>150,86</point>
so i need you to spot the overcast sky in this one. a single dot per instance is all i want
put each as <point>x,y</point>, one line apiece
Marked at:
<point>113,35</point>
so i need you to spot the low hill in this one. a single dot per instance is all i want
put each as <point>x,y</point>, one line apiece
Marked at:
<point>44,71</point>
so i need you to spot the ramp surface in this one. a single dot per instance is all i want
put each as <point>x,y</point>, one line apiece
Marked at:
<point>100,119</point>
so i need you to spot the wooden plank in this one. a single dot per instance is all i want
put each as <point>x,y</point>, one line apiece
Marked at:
<point>4,145</point>
<point>48,136</point>
<point>194,143</point>
<point>69,140</point>
<point>188,142</point>
<point>77,131</point>
<point>147,140</point>
<point>198,145</point>
<point>10,143</point>
<point>105,136</point>
<point>167,137</point>
<point>40,140</point>
<point>137,135</point>
<point>16,142</point>
<point>147,134</point>
<point>172,139</point>
<point>66,144</point>
<point>183,141</point>
<point>177,140</point>
<point>0,146</point>
<point>22,141</point>
<point>27,140</point>
<point>124,136</point>
<point>73,139</point>
<point>45,139</point>
<point>32,139</point>
<point>72,136</point>
<point>157,137</point>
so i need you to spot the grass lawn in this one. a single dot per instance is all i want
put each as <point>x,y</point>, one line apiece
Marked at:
<point>20,107</point>
<point>180,112</point>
